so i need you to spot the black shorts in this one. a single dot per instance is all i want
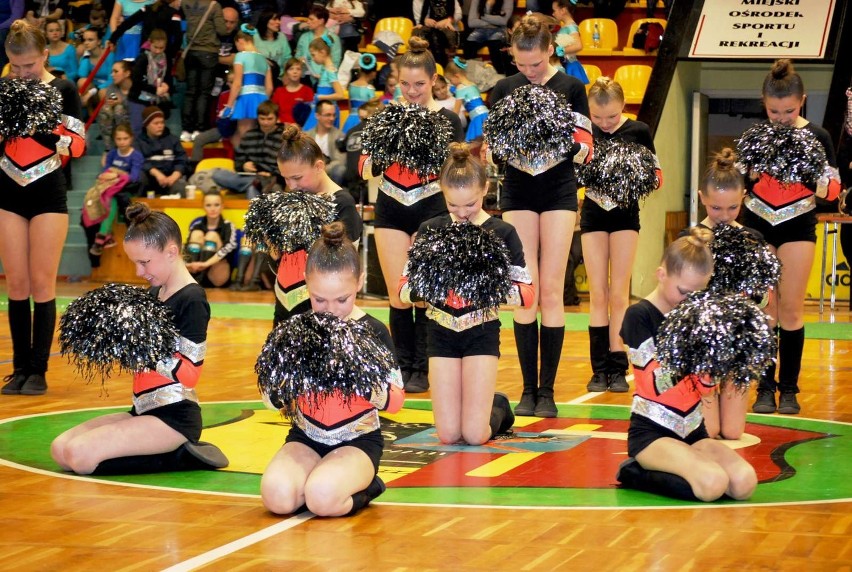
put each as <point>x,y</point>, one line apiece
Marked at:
<point>553,190</point>
<point>390,213</point>
<point>183,416</point>
<point>642,432</point>
<point>481,340</point>
<point>799,229</point>
<point>46,195</point>
<point>371,443</point>
<point>594,218</point>
<point>282,313</point>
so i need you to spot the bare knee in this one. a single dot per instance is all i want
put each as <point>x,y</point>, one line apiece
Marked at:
<point>743,482</point>
<point>196,236</point>
<point>476,435</point>
<point>78,457</point>
<point>710,483</point>
<point>323,498</point>
<point>280,497</point>
<point>448,436</point>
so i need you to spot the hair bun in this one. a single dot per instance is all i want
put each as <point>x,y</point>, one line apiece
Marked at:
<point>700,236</point>
<point>459,152</point>
<point>291,133</point>
<point>137,212</point>
<point>725,158</point>
<point>416,44</point>
<point>333,234</point>
<point>782,68</point>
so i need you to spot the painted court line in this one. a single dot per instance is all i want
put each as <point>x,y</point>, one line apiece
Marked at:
<point>592,395</point>
<point>239,544</point>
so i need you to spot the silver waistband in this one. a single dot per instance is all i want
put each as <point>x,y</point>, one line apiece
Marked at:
<point>24,178</point>
<point>606,203</point>
<point>534,166</point>
<point>662,415</point>
<point>465,322</point>
<point>408,198</point>
<point>166,395</point>
<point>366,423</point>
<point>477,111</point>
<point>776,216</point>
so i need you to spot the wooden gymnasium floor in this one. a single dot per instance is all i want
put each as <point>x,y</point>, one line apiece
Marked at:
<point>545,500</point>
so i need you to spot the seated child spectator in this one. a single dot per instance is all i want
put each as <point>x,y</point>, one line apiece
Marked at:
<point>92,54</point>
<point>293,98</point>
<point>255,158</point>
<point>115,110</point>
<point>326,135</point>
<point>211,241</point>
<point>61,54</point>
<point>165,159</point>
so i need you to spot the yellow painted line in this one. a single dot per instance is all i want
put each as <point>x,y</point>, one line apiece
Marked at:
<point>502,465</point>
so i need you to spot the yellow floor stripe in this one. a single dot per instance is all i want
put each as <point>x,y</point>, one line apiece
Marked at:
<point>502,465</point>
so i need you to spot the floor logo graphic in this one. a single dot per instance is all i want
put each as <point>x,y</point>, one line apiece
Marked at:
<point>568,461</point>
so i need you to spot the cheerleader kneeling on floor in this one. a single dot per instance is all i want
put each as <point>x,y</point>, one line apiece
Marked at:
<point>463,337</point>
<point>330,459</point>
<point>669,448</point>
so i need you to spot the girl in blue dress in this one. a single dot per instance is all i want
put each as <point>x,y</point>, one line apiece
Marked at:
<point>568,41</point>
<point>361,90</point>
<point>327,87</point>
<point>62,55</point>
<point>252,83</point>
<point>129,45</point>
<point>467,93</point>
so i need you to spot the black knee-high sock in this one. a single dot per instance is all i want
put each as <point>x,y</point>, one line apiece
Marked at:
<point>791,344</point>
<point>44,324</point>
<point>193,252</point>
<point>634,476</point>
<point>526,340</point>
<point>178,460</point>
<point>242,264</point>
<point>363,498</point>
<point>551,351</point>
<point>261,259</point>
<point>767,380</point>
<point>208,251</point>
<point>421,326</point>
<point>21,326</point>
<point>402,331</point>
<point>598,347</point>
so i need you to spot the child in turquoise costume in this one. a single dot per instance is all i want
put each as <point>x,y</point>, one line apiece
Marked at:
<point>328,87</point>
<point>361,90</point>
<point>467,93</point>
<point>252,82</point>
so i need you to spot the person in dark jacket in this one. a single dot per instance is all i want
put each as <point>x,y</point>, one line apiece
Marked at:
<point>200,63</point>
<point>165,160</point>
<point>152,82</point>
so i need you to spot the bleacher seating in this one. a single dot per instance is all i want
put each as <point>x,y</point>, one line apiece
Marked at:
<point>593,72</point>
<point>634,80</point>
<point>628,48</point>
<point>608,31</point>
<point>402,26</point>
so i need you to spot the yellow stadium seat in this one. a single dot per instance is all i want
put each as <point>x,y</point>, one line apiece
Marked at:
<point>629,49</point>
<point>634,80</point>
<point>630,115</point>
<point>402,26</point>
<point>593,72</point>
<point>608,30</point>
<point>439,68</point>
<point>215,163</point>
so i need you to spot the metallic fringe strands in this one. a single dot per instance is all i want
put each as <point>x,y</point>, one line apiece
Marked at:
<point>621,172</point>
<point>788,154</point>
<point>288,221</point>
<point>724,336</point>
<point>313,356</point>
<point>462,260</point>
<point>410,135</point>
<point>28,106</point>
<point>119,327</point>
<point>742,262</point>
<point>531,125</point>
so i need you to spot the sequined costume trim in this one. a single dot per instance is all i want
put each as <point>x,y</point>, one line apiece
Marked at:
<point>412,196</point>
<point>643,355</point>
<point>165,395</point>
<point>534,166</point>
<point>364,424</point>
<point>74,125</point>
<point>24,178</point>
<point>520,274</point>
<point>606,203</point>
<point>665,417</point>
<point>194,352</point>
<point>462,323</point>
<point>776,216</point>
<point>291,298</point>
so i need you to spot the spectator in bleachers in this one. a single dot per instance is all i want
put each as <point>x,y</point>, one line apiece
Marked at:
<point>165,159</point>
<point>200,63</point>
<point>442,96</point>
<point>351,145</point>
<point>316,26</point>
<point>224,128</point>
<point>151,80</point>
<point>487,22</point>
<point>361,89</point>
<point>130,44</point>
<point>271,42</point>
<point>227,48</point>
<point>161,15</point>
<point>252,83</point>
<point>115,109</point>
<point>40,11</point>
<point>293,96</point>
<point>328,86</point>
<point>326,135</point>
<point>10,10</point>
<point>210,243</point>
<point>62,55</point>
<point>568,39</point>
<point>87,63</point>
<point>348,15</point>
<point>256,155</point>
<point>436,21</point>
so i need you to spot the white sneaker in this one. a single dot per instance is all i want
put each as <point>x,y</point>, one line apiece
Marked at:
<point>195,134</point>
<point>186,136</point>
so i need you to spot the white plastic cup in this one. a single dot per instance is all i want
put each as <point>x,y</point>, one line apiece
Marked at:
<point>190,192</point>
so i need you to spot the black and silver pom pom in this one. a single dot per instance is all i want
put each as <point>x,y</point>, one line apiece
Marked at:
<point>116,327</point>
<point>288,221</point>
<point>723,336</point>
<point>28,106</point>
<point>533,125</point>
<point>742,262</point>
<point>788,154</point>
<point>410,135</point>
<point>462,260</point>
<point>311,357</point>
<point>620,171</point>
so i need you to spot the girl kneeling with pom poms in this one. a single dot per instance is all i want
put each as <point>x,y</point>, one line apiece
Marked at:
<point>330,372</point>
<point>162,430</point>
<point>669,448</point>
<point>464,265</point>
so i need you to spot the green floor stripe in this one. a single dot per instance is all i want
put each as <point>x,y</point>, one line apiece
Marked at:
<point>574,321</point>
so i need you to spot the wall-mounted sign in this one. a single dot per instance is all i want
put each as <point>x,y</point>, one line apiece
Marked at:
<point>763,29</point>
